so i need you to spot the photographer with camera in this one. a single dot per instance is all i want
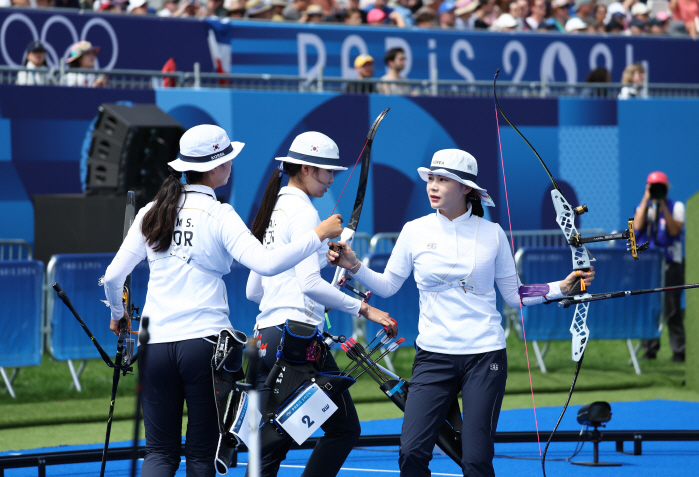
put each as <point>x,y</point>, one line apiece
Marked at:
<point>659,220</point>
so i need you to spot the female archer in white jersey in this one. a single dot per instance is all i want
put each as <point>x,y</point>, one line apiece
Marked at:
<point>456,257</point>
<point>300,294</point>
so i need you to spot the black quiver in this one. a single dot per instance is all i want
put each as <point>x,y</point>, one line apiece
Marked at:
<point>226,371</point>
<point>299,361</point>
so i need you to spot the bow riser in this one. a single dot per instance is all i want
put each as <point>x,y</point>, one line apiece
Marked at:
<point>565,216</point>
<point>347,236</point>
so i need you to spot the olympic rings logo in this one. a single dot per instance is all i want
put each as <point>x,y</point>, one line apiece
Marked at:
<point>52,56</point>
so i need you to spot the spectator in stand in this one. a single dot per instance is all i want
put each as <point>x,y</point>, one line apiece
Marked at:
<point>656,27</point>
<point>505,22</point>
<point>614,26</point>
<point>526,11</point>
<point>352,17</point>
<point>464,13</point>
<point>395,63</point>
<point>640,11</point>
<point>258,10</point>
<point>515,9</point>
<point>481,17</point>
<point>348,11</point>
<point>576,25</point>
<point>376,17</point>
<point>314,14</point>
<point>67,4</point>
<point>20,3</point>
<point>295,12</point>
<point>391,15</point>
<point>633,77</point>
<point>598,75</point>
<point>583,8</point>
<point>278,7</point>
<point>364,66</point>
<point>620,8</point>
<point>537,19</point>
<point>636,27</point>
<point>402,8</point>
<point>34,57</point>
<point>687,12</point>
<point>664,18</point>
<point>214,8</point>
<point>600,13</point>
<point>82,55</point>
<point>425,18</point>
<point>169,8</point>
<point>447,18</point>
<point>659,220</point>
<point>592,25</point>
<point>559,15</point>
<point>138,7</point>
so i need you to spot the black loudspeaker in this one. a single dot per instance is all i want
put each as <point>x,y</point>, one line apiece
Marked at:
<point>75,223</point>
<point>130,149</point>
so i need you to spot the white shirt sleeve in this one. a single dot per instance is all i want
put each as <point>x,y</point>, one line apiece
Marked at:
<point>114,279</point>
<point>253,290</point>
<point>504,261</point>
<point>509,289</point>
<point>131,253</point>
<point>401,261</point>
<point>308,271</point>
<point>383,284</point>
<point>249,252</point>
<point>398,269</point>
<point>678,212</point>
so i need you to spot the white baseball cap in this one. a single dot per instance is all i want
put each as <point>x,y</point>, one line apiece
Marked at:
<point>205,147</point>
<point>457,165</point>
<point>574,24</point>
<point>506,21</point>
<point>639,9</point>
<point>314,149</point>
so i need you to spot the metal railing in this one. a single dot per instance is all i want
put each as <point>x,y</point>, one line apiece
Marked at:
<point>146,79</point>
<point>15,249</point>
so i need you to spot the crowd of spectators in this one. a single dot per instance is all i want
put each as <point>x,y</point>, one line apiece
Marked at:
<point>630,17</point>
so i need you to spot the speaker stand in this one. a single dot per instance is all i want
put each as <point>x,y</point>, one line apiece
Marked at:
<point>596,437</point>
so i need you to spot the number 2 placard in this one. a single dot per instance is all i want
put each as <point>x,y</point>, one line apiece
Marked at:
<point>306,413</point>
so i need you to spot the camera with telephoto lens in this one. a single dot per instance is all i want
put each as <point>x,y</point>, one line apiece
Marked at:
<point>658,191</point>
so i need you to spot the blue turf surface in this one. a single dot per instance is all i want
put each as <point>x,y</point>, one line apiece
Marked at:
<point>659,458</point>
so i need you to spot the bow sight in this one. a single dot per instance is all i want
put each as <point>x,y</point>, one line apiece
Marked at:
<point>629,234</point>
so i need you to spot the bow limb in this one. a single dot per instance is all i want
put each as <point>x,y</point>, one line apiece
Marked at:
<point>348,232</point>
<point>565,215</point>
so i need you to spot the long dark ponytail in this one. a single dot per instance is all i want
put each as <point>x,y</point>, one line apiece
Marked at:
<point>475,200</point>
<point>159,222</point>
<point>264,213</point>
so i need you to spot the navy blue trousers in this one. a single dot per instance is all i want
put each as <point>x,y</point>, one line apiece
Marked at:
<point>342,429</point>
<point>175,373</point>
<point>436,382</point>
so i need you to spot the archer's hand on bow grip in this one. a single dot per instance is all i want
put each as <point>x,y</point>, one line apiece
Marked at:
<point>584,279</point>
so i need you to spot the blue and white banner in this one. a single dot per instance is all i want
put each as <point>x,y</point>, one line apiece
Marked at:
<point>126,42</point>
<point>286,49</point>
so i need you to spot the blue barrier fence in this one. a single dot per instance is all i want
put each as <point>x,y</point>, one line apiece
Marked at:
<point>623,318</point>
<point>21,283</point>
<point>78,275</point>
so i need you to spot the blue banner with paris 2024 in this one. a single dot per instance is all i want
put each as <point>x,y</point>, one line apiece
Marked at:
<point>287,49</point>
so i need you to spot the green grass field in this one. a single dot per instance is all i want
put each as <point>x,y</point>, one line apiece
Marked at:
<point>48,413</point>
